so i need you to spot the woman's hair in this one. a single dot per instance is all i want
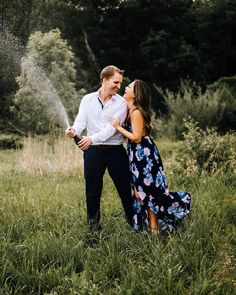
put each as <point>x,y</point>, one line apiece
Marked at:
<point>110,71</point>
<point>142,100</point>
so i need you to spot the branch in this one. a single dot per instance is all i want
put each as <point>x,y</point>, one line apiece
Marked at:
<point>17,129</point>
<point>90,51</point>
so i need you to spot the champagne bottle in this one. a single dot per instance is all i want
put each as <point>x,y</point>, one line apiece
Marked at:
<point>77,139</point>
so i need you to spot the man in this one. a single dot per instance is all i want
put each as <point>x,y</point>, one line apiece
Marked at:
<point>103,145</point>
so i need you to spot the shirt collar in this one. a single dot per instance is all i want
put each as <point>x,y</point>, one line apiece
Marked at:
<point>114,97</point>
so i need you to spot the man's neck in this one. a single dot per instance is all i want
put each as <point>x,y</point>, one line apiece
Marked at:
<point>104,95</point>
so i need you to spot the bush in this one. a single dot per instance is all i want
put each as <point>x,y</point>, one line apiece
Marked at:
<point>10,142</point>
<point>206,151</point>
<point>211,108</point>
<point>228,121</point>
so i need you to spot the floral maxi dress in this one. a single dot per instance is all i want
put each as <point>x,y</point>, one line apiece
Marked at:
<point>149,179</point>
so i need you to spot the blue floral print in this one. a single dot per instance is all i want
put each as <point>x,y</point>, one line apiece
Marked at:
<point>161,179</point>
<point>139,152</point>
<point>150,182</point>
<point>148,179</point>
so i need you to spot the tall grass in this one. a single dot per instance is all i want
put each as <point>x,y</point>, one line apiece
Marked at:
<point>44,155</point>
<point>43,233</point>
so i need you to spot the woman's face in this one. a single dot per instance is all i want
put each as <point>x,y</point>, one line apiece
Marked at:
<point>129,92</point>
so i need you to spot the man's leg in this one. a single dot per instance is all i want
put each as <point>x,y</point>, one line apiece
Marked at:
<point>94,168</point>
<point>118,168</point>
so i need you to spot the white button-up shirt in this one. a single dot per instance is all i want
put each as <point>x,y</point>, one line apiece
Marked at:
<point>96,118</point>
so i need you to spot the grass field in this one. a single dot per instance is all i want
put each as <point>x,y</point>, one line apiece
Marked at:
<point>43,232</point>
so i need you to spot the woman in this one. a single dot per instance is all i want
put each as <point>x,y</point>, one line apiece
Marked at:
<point>154,206</point>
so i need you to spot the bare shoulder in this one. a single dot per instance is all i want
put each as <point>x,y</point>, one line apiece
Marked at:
<point>136,114</point>
<point>136,117</point>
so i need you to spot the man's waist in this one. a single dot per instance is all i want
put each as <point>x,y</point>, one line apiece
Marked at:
<point>106,146</point>
<point>114,140</point>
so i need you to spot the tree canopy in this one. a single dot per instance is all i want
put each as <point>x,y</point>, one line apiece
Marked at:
<point>160,41</point>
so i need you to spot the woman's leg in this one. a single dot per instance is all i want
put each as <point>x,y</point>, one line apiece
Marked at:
<point>154,227</point>
<point>151,216</point>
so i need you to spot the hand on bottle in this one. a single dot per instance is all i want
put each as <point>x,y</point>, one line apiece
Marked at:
<point>70,132</point>
<point>84,143</point>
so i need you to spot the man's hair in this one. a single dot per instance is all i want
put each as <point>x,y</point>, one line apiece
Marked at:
<point>110,71</point>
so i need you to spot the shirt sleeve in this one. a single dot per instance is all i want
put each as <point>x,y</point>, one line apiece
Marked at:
<point>108,131</point>
<point>81,119</point>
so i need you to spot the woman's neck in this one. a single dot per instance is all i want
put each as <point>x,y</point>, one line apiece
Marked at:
<point>130,105</point>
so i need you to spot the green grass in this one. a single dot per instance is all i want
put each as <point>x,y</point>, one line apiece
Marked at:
<point>43,232</point>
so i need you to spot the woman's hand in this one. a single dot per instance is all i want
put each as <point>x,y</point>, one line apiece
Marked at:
<point>115,123</point>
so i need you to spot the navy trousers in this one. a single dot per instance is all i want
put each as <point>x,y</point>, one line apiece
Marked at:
<point>96,160</point>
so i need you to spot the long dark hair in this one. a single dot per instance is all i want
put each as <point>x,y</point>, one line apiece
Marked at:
<point>142,101</point>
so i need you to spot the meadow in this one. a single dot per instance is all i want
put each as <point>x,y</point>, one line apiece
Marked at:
<point>43,231</point>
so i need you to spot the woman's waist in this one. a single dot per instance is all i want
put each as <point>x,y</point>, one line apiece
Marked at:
<point>145,138</point>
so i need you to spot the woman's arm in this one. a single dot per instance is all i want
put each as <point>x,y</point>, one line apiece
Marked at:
<point>137,124</point>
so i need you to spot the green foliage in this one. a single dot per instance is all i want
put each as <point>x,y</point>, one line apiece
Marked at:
<point>56,58</point>
<point>162,42</point>
<point>168,59</point>
<point>212,19</point>
<point>28,110</point>
<point>8,141</point>
<point>17,15</point>
<point>210,108</point>
<point>10,54</point>
<point>47,76</point>
<point>230,81</point>
<point>206,151</point>
<point>229,98</point>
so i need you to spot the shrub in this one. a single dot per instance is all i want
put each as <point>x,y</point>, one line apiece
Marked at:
<point>8,141</point>
<point>206,151</point>
<point>210,108</point>
<point>228,121</point>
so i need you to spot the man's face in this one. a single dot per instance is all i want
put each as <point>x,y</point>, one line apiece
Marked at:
<point>112,85</point>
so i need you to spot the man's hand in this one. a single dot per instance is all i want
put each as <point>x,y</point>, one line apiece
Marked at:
<point>84,143</point>
<point>70,132</point>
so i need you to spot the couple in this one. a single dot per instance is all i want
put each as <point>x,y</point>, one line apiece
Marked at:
<point>138,174</point>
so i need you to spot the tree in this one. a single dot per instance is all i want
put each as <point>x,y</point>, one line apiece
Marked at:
<point>11,52</point>
<point>214,36</point>
<point>159,41</point>
<point>47,78</point>
<point>15,27</point>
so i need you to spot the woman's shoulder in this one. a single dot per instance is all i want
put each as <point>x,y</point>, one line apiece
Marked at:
<point>136,113</point>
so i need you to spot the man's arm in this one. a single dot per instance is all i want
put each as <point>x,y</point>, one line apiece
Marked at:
<point>79,124</point>
<point>81,119</point>
<point>108,131</point>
